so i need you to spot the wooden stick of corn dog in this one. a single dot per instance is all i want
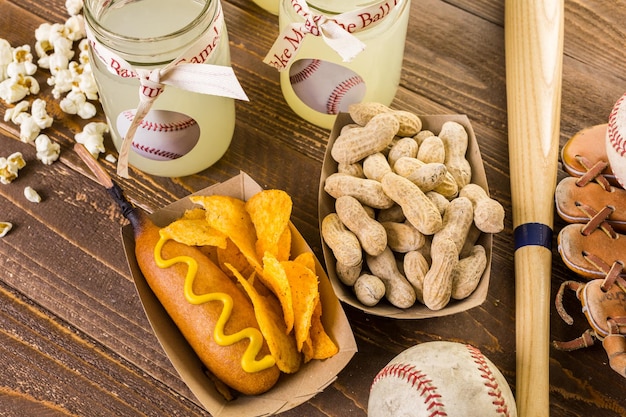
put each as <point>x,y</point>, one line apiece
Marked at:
<point>534,50</point>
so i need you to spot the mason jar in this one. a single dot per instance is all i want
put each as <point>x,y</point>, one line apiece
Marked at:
<point>184,131</point>
<point>269,5</point>
<point>318,82</point>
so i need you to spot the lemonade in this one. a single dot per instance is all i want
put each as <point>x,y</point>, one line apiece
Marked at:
<point>149,34</point>
<point>378,66</point>
<point>269,5</point>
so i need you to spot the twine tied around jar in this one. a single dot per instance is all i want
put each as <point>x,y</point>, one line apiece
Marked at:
<point>337,31</point>
<point>187,72</point>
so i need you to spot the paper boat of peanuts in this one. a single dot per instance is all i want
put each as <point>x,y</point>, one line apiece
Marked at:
<point>391,250</point>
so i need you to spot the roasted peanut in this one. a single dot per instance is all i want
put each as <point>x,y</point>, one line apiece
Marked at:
<point>362,113</point>
<point>457,221</point>
<point>415,268</point>
<point>403,147</point>
<point>391,214</point>
<point>417,208</point>
<point>431,150</point>
<point>375,166</point>
<point>398,291</point>
<point>359,142</point>
<point>348,274</point>
<point>368,192</point>
<point>422,135</point>
<point>355,170</point>
<point>371,234</point>
<point>343,243</point>
<point>467,273</point>
<point>455,140</point>
<point>439,200</point>
<point>488,213</point>
<point>426,176</point>
<point>369,289</point>
<point>403,237</point>
<point>438,279</point>
<point>471,239</point>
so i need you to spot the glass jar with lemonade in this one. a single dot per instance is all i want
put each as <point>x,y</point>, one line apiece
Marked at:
<point>332,53</point>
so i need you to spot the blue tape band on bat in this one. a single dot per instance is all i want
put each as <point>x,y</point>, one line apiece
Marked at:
<point>533,234</point>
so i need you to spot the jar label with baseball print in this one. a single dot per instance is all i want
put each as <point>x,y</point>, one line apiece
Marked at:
<point>162,135</point>
<point>332,54</point>
<point>324,86</point>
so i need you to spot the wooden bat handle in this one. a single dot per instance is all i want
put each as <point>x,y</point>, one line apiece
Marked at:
<point>534,56</point>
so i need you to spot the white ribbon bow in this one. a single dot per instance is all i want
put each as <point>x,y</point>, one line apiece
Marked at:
<point>337,31</point>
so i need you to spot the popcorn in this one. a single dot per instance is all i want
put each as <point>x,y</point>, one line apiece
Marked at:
<point>32,195</point>
<point>73,6</point>
<point>16,88</point>
<point>17,113</point>
<point>4,228</point>
<point>47,150</point>
<point>6,57</point>
<point>22,63</point>
<point>92,136</point>
<point>40,115</point>
<point>62,82</point>
<point>75,102</point>
<point>75,28</point>
<point>29,129</point>
<point>10,166</point>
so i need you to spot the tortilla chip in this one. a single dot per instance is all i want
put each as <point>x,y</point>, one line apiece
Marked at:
<point>307,259</point>
<point>305,294</point>
<point>194,232</point>
<point>229,216</point>
<point>196,213</point>
<point>267,312</point>
<point>232,255</point>
<point>270,211</point>
<point>284,245</point>
<point>319,345</point>
<point>275,278</point>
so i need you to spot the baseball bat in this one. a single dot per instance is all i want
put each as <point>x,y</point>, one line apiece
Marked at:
<point>533,32</point>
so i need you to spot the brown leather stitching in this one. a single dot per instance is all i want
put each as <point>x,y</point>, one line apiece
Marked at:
<point>593,173</point>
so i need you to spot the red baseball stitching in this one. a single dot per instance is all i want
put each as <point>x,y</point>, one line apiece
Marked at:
<point>155,151</point>
<point>491,383</point>
<point>160,126</point>
<point>615,137</point>
<point>305,72</point>
<point>418,380</point>
<point>338,93</point>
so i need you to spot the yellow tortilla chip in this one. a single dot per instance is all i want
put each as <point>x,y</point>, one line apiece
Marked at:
<point>307,259</point>
<point>270,211</point>
<point>232,255</point>
<point>284,245</point>
<point>275,278</point>
<point>229,216</point>
<point>267,312</point>
<point>305,293</point>
<point>196,213</point>
<point>194,232</point>
<point>320,345</point>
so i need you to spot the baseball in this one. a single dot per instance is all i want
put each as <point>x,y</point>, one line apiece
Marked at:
<point>441,379</point>
<point>163,135</point>
<point>616,140</point>
<point>324,86</point>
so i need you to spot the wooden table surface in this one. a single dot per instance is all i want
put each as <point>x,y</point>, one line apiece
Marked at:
<point>74,340</point>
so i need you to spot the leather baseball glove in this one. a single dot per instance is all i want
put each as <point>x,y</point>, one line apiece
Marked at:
<point>591,199</point>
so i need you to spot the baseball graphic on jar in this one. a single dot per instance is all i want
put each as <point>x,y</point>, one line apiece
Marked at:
<point>162,135</point>
<point>324,86</point>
